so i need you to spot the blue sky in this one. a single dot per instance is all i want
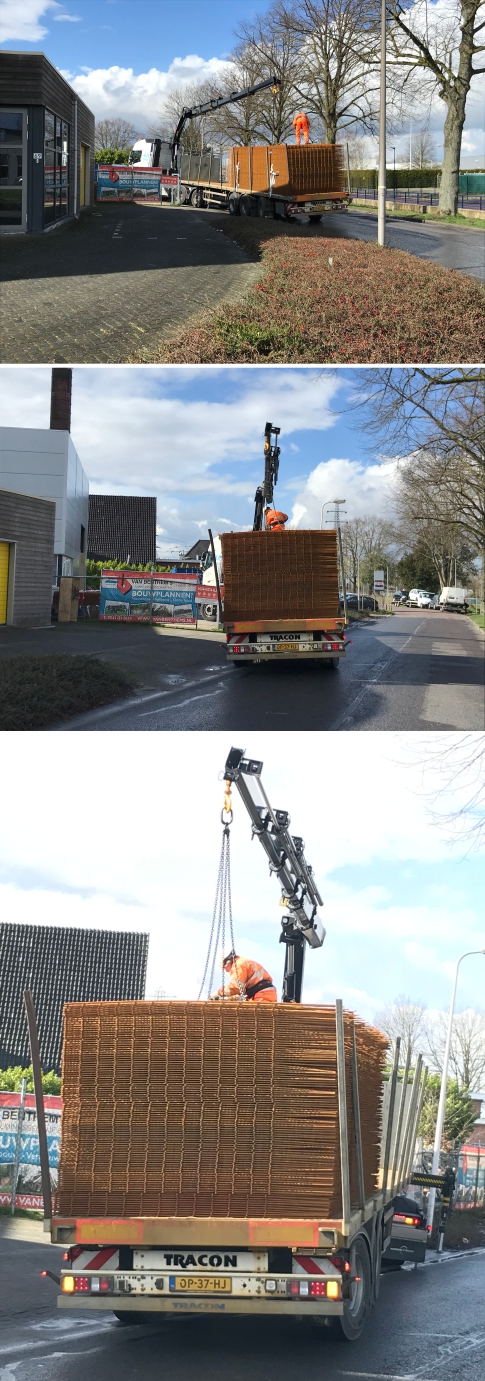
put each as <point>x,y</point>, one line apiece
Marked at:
<point>400,904</point>
<point>123,56</point>
<point>202,440</point>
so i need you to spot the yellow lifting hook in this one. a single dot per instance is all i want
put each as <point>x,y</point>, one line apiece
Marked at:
<point>226,812</point>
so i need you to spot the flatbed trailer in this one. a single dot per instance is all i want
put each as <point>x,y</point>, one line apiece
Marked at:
<point>326,1269</point>
<point>275,180</point>
<point>277,640</point>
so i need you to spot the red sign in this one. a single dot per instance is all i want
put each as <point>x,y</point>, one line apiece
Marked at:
<point>167,180</point>
<point>23,1200</point>
<point>208,593</point>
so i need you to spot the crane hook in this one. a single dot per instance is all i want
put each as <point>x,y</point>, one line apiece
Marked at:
<point>226,812</point>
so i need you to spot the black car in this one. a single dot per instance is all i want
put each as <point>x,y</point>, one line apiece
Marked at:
<point>360,602</point>
<point>400,596</point>
<point>408,1235</point>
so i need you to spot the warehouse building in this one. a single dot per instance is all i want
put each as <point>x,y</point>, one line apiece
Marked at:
<point>60,964</point>
<point>43,462</point>
<point>27,526</point>
<point>46,146</point>
<point>122,528</point>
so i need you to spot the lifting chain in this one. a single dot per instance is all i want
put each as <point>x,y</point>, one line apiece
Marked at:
<point>222,913</point>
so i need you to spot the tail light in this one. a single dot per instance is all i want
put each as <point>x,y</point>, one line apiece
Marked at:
<point>300,1288</point>
<point>101,1284</point>
<point>317,1288</point>
<point>411,1221</point>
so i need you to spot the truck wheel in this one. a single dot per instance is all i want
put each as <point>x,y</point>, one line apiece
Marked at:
<point>261,207</point>
<point>347,1327</point>
<point>184,194</point>
<point>334,663</point>
<point>233,206</point>
<point>209,612</point>
<point>245,206</point>
<point>196,197</point>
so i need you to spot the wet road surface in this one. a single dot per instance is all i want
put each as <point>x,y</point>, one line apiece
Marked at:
<point>447,245</point>
<point>410,670</point>
<point>427,1325</point>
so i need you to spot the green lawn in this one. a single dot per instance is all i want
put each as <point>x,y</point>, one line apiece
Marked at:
<point>478,619</point>
<point>36,692</point>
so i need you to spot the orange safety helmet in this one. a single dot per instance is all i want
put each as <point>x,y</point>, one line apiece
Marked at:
<point>275,521</point>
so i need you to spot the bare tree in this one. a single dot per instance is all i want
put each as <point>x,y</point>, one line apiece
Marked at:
<point>404,1017</point>
<point>114,134</point>
<point>332,81</point>
<point>445,51</point>
<point>423,149</point>
<point>271,49</point>
<point>366,543</point>
<point>199,130</point>
<point>467,1052</point>
<point>452,764</point>
<point>435,420</point>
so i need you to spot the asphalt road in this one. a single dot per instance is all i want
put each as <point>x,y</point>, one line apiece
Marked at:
<point>121,279</point>
<point>409,670</point>
<point>447,245</point>
<point>427,1324</point>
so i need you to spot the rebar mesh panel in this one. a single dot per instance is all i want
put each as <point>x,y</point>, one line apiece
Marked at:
<point>315,168</point>
<point>199,1109</point>
<point>280,574</point>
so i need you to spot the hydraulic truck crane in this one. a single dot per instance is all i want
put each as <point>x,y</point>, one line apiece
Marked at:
<point>301,924</point>
<point>263,498</point>
<point>191,112</point>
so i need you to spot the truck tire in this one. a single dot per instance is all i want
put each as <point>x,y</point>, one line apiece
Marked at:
<point>233,206</point>
<point>246,206</point>
<point>184,194</point>
<point>334,663</point>
<point>197,197</point>
<point>208,611</point>
<point>347,1327</point>
<point>261,207</point>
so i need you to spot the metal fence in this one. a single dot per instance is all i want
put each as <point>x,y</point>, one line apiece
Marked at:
<point>415,195</point>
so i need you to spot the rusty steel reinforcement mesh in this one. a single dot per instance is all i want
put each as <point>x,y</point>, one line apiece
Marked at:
<point>315,168</point>
<point>280,575</point>
<point>206,1109</point>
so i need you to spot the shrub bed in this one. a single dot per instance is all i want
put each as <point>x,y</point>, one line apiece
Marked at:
<point>36,692</point>
<point>336,301</point>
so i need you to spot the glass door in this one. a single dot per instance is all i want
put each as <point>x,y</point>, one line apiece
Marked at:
<point>13,180</point>
<point>56,174</point>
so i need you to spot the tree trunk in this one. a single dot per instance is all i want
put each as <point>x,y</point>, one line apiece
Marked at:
<point>453,130</point>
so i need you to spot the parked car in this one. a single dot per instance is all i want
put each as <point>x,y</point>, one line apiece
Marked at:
<point>408,1235</point>
<point>427,600</point>
<point>413,598</point>
<point>359,602</point>
<point>400,596</point>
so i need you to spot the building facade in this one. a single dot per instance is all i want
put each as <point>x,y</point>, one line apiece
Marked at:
<point>45,463</point>
<point>46,146</point>
<point>61,964</point>
<point>27,527</point>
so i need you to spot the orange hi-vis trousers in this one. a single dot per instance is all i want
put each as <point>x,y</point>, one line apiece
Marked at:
<point>302,128</point>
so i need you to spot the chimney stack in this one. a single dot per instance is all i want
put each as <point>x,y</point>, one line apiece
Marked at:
<point>61,400</point>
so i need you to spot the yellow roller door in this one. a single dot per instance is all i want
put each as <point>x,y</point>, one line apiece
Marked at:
<point>4,555</point>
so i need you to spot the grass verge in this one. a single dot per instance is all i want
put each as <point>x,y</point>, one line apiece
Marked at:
<point>478,620</point>
<point>6,1212</point>
<point>474,223</point>
<point>36,692</point>
<point>334,301</point>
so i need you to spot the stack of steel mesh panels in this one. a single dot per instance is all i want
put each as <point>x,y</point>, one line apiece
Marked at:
<point>204,1109</point>
<point>315,168</point>
<point>280,575</point>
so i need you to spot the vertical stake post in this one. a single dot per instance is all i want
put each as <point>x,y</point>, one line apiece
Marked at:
<point>39,1103</point>
<point>342,1115</point>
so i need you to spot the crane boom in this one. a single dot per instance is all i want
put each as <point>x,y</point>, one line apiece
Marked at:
<point>191,112</point>
<point>265,491</point>
<point>301,925</point>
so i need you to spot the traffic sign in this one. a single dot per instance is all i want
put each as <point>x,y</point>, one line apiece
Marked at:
<point>169,180</point>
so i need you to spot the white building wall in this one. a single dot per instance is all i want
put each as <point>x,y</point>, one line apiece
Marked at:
<point>46,464</point>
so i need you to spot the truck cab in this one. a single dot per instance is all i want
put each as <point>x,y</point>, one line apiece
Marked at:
<point>152,153</point>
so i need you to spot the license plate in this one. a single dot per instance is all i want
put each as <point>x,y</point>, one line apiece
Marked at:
<point>201,1285</point>
<point>286,647</point>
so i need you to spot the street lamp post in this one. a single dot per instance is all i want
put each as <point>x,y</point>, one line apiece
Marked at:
<point>337,503</point>
<point>394,177</point>
<point>381,188</point>
<point>337,514</point>
<point>442,1101</point>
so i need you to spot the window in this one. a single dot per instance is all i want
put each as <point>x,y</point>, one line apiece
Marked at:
<point>83,538</point>
<point>56,168</point>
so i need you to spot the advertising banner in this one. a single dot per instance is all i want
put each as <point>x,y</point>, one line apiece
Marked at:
<point>29,1145</point>
<point>379,581</point>
<point>204,593</point>
<point>122,182</point>
<point>131,594</point>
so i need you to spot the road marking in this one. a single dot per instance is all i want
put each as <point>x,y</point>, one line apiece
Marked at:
<point>347,715</point>
<point>440,648</point>
<point>152,695</point>
<point>456,705</point>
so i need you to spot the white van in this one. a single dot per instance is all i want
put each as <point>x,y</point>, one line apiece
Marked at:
<point>453,598</point>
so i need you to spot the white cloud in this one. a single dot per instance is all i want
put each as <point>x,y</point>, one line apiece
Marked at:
<point>19,19</point>
<point>67,18</point>
<point>139,97</point>
<point>366,489</point>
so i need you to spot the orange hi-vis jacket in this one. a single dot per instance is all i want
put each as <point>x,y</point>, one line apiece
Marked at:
<point>250,975</point>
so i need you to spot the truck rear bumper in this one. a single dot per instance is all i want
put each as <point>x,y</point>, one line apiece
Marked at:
<point>196,1305</point>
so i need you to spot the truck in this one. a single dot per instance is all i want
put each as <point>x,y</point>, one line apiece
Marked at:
<point>276,180</point>
<point>232,1157</point>
<point>278,588</point>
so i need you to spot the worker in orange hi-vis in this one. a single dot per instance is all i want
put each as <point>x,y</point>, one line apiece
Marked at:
<point>301,125</point>
<point>246,979</point>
